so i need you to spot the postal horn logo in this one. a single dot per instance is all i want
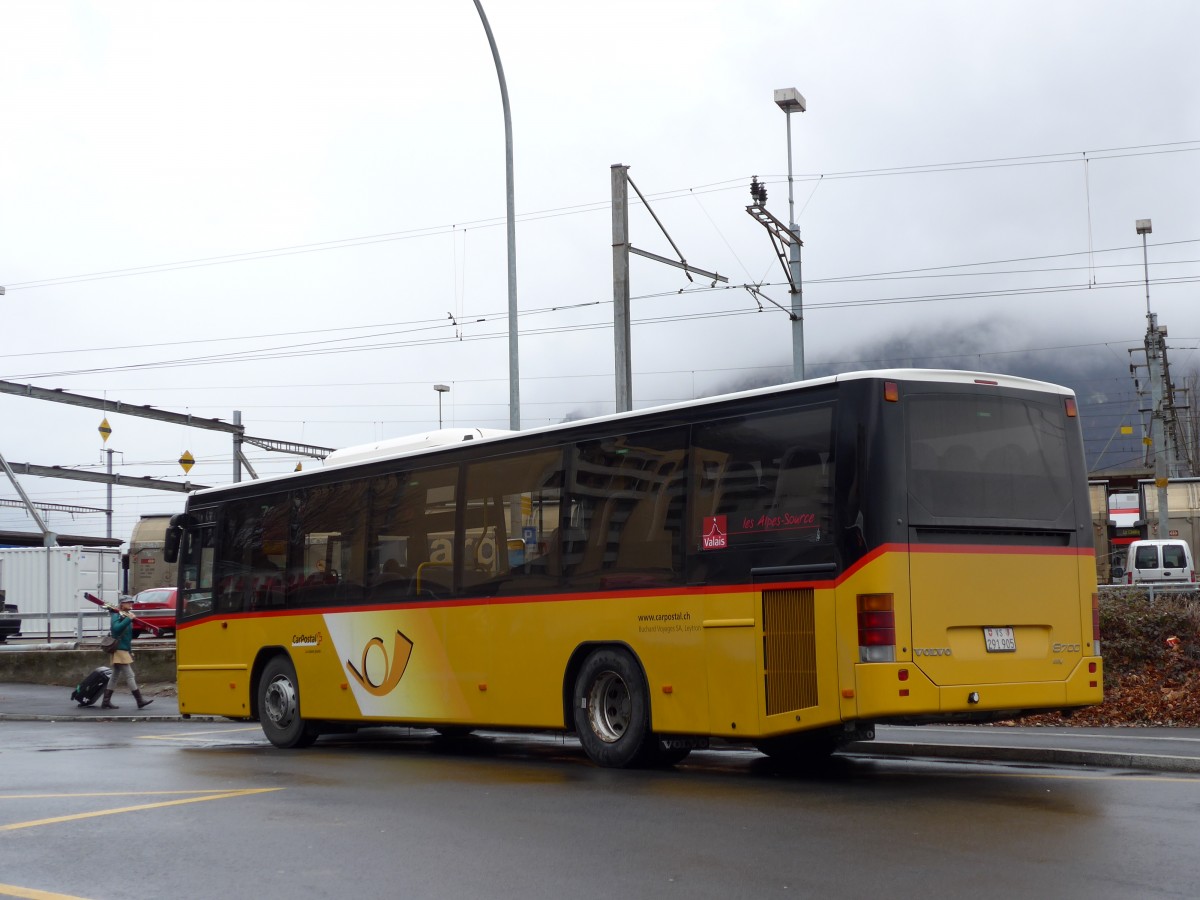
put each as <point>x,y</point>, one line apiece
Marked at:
<point>392,669</point>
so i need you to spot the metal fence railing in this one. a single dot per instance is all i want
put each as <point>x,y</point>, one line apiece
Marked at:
<point>80,624</point>
<point>1152,590</point>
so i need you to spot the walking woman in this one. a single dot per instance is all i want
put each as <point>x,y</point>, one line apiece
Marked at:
<point>121,626</point>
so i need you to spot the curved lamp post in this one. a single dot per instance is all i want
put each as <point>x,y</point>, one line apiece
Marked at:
<point>514,383</point>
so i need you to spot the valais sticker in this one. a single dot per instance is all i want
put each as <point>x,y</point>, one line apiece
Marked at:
<point>715,536</point>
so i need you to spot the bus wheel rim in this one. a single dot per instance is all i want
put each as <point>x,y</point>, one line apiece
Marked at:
<point>610,707</point>
<point>281,702</point>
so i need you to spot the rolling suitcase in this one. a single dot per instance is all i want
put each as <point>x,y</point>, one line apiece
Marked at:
<point>89,690</point>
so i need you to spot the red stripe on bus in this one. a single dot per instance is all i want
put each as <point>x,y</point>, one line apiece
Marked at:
<point>631,593</point>
<point>969,549</point>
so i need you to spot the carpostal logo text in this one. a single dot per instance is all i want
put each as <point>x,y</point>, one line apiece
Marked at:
<point>308,640</point>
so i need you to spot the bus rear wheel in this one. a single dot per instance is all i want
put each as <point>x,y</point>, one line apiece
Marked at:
<point>279,706</point>
<point>612,711</point>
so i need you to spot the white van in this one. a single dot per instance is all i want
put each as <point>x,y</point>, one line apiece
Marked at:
<point>1160,562</point>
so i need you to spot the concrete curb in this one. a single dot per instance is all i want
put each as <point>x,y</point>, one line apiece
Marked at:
<point>1059,756</point>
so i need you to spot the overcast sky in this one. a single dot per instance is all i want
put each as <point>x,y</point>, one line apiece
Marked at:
<point>296,209</point>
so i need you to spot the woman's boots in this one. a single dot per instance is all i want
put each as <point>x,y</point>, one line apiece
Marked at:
<point>137,695</point>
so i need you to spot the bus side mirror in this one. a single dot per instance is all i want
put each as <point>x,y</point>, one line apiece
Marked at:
<point>174,537</point>
<point>171,544</point>
<point>1118,571</point>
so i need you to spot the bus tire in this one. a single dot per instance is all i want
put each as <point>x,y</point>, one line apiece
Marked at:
<point>279,706</point>
<point>612,709</point>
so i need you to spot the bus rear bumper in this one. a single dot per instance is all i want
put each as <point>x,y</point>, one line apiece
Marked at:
<point>901,690</point>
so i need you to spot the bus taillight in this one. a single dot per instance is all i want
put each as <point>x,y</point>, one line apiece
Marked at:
<point>1072,409</point>
<point>1096,624</point>
<point>876,628</point>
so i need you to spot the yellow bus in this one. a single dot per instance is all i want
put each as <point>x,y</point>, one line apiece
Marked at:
<point>783,567</point>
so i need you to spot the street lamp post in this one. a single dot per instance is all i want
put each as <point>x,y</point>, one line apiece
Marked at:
<point>790,100</point>
<point>514,380</point>
<point>441,389</point>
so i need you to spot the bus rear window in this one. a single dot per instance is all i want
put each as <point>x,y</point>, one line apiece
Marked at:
<point>982,457</point>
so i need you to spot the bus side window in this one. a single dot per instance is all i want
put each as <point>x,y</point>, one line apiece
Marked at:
<point>250,529</point>
<point>627,503</point>
<point>511,522</point>
<point>408,528</point>
<point>741,490</point>
<point>230,593</point>
<point>802,489</point>
<point>651,531</point>
<point>774,484</point>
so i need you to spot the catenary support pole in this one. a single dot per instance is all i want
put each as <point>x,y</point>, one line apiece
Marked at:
<point>620,249</point>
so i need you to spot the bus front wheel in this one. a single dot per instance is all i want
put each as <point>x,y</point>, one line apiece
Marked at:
<point>279,706</point>
<point>612,712</point>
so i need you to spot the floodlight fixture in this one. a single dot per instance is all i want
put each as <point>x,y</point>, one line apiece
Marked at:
<point>790,100</point>
<point>441,389</point>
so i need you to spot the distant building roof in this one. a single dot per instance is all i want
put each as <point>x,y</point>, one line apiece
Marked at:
<point>32,539</point>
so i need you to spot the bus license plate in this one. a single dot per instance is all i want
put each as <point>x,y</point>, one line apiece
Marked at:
<point>999,640</point>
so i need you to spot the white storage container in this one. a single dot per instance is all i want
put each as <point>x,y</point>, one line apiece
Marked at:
<point>53,580</point>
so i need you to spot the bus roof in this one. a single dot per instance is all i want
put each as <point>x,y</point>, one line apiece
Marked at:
<point>410,444</point>
<point>396,448</point>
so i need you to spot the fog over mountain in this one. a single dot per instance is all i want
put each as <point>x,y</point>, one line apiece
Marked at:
<point>1098,373</point>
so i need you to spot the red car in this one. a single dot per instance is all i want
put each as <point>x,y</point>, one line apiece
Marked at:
<point>157,607</point>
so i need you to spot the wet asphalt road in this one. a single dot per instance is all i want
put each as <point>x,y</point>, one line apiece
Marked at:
<point>200,809</point>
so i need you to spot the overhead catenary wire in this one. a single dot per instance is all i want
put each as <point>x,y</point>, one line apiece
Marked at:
<point>1074,156</point>
<point>315,348</point>
<point>899,274</point>
<point>282,352</point>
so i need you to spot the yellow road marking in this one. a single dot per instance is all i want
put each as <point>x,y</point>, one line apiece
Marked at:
<point>186,735</point>
<point>9,890</point>
<point>124,809</point>
<point>119,794</point>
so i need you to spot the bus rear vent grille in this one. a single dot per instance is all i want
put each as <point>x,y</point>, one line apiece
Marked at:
<point>789,650</point>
